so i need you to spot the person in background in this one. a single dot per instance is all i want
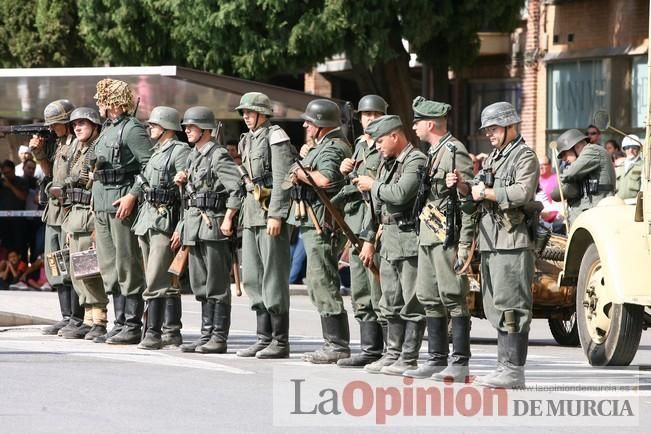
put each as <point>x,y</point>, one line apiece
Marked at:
<point>34,227</point>
<point>233,151</point>
<point>25,154</point>
<point>618,158</point>
<point>548,180</point>
<point>13,192</point>
<point>611,147</point>
<point>11,269</point>
<point>594,135</point>
<point>629,174</point>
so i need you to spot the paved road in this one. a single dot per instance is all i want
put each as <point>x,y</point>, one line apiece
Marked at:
<point>48,384</point>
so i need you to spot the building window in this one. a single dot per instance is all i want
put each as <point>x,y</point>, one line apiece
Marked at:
<point>639,91</point>
<point>575,90</point>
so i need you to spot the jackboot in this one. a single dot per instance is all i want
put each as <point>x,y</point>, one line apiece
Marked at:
<point>279,347</point>
<point>326,344</point>
<point>207,314</point>
<point>131,333</point>
<point>414,331</point>
<point>501,358</point>
<point>263,333</point>
<point>337,335</point>
<point>99,322</point>
<point>437,348</point>
<point>371,344</point>
<point>119,304</point>
<point>76,313</point>
<point>458,370</point>
<point>172,324</point>
<point>64,306</point>
<point>512,374</point>
<point>395,339</point>
<point>80,331</point>
<point>221,325</point>
<point>155,314</point>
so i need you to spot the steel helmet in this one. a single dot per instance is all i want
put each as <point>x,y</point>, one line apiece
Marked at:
<point>58,112</point>
<point>166,117</point>
<point>201,116</point>
<point>568,139</point>
<point>323,113</point>
<point>500,113</point>
<point>88,113</point>
<point>630,141</point>
<point>372,103</point>
<point>257,102</point>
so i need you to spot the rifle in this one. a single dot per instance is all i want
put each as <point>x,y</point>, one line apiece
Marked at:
<point>180,261</point>
<point>40,130</point>
<point>325,200</point>
<point>424,186</point>
<point>348,113</point>
<point>452,215</point>
<point>135,109</point>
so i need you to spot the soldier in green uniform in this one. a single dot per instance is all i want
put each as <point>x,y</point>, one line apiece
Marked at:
<point>79,223</point>
<point>54,160</point>
<point>438,288</point>
<point>590,175</point>
<point>211,182</point>
<point>629,174</point>
<point>267,155</point>
<point>122,149</point>
<point>322,243</point>
<point>505,189</point>
<point>155,223</point>
<point>393,193</point>
<point>358,209</point>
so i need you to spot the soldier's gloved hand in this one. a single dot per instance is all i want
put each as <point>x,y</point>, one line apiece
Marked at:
<point>463,253</point>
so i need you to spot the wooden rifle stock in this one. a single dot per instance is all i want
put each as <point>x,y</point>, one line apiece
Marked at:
<point>235,268</point>
<point>180,261</point>
<point>339,219</point>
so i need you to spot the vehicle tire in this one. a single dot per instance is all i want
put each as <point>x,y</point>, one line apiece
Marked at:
<point>609,333</point>
<point>565,332</point>
<point>553,253</point>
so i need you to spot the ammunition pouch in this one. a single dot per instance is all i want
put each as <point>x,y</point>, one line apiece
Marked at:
<point>591,187</point>
<point>114,176</point>
<point>303,193</point>
<point>161,196</point>
<point>209,200</point>
<point>266,180</point>
<point>79,196</point>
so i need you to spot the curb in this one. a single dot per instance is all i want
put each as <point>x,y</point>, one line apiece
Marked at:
<point>296,289</point>
<point>11,319</point>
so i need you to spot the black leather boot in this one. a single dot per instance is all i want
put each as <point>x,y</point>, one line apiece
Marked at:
<point>172,324</point>
<point>414,331</point>
<point>279,347</point>
<point>337,336</point>
<point>263,333</point>
<point>437,348</point>
<point>155,314</point>
<point>395,339</point>
<point>371,344</point>
<point>458,369</point>
<point>119,304</point>
<point>207,315</point>
<point>64,306</point>
<point>76,314</point>
<point>131,333</point>
<point>511,376</point>
<point>221,325</point>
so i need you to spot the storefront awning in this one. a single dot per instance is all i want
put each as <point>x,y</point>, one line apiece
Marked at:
<point>24,92</point>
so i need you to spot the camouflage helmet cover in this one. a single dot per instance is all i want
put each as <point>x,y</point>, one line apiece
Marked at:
<point>202,117</point>
<point>323,113</point>
<point>114,93</point>
<point>88,113</point>
<point>166,117</point>
<point>58,112</point>
<point>257,102</point>
<point>372,103</point>
<point>500,113</point>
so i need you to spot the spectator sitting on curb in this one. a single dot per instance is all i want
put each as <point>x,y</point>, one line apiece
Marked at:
<point>11,269</point>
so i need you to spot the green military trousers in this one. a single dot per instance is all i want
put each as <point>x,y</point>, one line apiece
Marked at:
<point>322,275</point>
<point>398,281</point>
<point>439,289</point>
<point>55,239</point>
<point>364,289</point>
<point>157,255</point>
<point>90,291</point>
<point>209,266</point>
<point>265,269</point>
<point>118,255</point>
<point>506,277</point>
